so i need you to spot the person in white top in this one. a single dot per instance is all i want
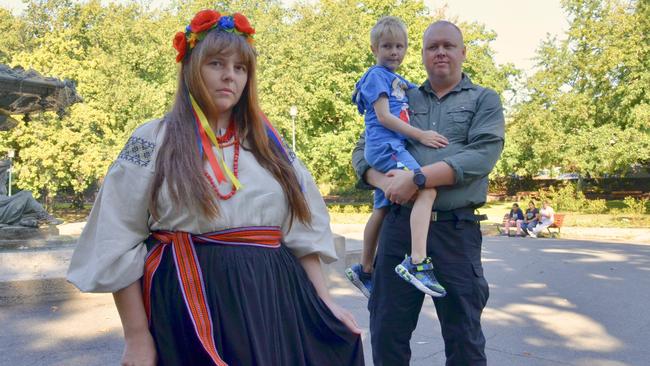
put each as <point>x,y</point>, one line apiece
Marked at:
<point>209,232</point>
<point>547,217</point>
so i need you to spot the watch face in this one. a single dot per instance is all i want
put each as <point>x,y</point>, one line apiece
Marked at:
<point>419,179</point>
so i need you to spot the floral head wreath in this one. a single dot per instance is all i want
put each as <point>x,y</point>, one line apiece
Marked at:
<point>205,21</point>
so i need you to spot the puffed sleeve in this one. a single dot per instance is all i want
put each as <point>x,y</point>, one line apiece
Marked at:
<point>110,252</point>
<point>304,239</point>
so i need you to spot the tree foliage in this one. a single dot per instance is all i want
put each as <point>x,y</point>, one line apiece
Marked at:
<point>120,55</point>
<point>588,109</point>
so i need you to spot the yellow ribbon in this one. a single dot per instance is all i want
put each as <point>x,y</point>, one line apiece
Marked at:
<point>208,130</point>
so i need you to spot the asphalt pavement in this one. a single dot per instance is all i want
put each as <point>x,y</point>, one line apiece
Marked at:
<point>552,302</point>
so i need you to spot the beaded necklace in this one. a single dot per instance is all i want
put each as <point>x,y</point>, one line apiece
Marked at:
<point>235,164</point>
<point>223,141</point>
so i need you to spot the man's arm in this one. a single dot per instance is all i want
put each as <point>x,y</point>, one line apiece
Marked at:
<point>361,166</point>
<point>486,138</point>
<point>438,174</point>
<point>474,160</point>
<point>399,185</point>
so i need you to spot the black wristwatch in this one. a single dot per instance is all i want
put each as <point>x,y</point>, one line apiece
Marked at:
<point>419,179</point>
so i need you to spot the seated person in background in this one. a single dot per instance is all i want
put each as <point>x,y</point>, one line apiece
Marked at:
<point>515,218</point>
<point>531,217</point>
<point>546,219</point>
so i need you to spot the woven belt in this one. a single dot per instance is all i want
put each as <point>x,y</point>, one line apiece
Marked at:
<point>189,271</point>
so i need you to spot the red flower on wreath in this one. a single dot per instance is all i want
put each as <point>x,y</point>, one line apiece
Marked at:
<point>180,44</point>
<point>204,20</point>
<point>242,24</point>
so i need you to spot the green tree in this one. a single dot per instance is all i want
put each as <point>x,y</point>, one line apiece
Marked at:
<point>324,50</point>
<point>120,55</point>
<point>12,32</point>
<point>588,109</point>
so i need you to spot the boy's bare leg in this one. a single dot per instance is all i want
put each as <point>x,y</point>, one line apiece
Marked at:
<point>370,237</point>
<point>420,220</point>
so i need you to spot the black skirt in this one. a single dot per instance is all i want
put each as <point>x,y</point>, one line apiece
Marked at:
<point>264,309</point>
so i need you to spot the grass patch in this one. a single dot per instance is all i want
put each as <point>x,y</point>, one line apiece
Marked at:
<point>359,213</point>
<point>348,218</point>
<point>67,213</point>
<point>607,220</point>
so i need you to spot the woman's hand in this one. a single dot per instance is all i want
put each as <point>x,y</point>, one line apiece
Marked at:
<point>311,264</point>
<point>139,351</point>
<point>344,316</point>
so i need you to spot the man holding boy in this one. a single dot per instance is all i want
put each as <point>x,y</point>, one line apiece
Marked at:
<point>471,118</point>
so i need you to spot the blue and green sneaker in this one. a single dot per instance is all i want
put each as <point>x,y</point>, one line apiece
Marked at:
<point>421,276</point>
<point>359,278</point>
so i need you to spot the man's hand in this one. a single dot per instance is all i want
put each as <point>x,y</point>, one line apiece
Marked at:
<point>376,179</point>
<point>432,139</point>
<point>400,187</point>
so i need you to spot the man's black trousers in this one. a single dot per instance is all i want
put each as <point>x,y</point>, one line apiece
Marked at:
<point>455,247</point>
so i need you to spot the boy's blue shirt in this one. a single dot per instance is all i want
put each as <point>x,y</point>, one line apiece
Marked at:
<point>376,81</point>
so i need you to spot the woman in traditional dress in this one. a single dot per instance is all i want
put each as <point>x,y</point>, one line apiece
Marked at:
<point>211,242</point>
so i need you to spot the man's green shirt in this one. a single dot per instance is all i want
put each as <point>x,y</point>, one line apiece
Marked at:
<point>471,118</point>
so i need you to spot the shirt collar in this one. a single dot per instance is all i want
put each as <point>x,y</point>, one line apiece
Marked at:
<point>464,83</point>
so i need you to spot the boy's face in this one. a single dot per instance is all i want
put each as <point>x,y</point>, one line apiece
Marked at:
<point>390,51</point>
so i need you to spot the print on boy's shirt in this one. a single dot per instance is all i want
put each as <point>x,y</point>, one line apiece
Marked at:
<point>398,90</point>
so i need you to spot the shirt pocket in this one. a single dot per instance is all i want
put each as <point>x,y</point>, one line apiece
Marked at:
<point>459,119</point>
<point>419,117</point>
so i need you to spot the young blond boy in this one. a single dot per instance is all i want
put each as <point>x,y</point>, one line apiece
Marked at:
<point>380,95</point>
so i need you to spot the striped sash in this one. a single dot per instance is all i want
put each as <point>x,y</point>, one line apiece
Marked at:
<point>189,271</point>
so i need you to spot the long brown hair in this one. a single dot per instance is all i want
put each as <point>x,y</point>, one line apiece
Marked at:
<point>178,162</point>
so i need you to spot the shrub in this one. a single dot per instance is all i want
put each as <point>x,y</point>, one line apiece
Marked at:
<point>594,206</point>
<point>334,208</point>
<point>634,206</point>
<point>364,208</point>
<point>568,199</point>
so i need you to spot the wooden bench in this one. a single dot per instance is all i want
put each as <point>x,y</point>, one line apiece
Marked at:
<point>557,225</point>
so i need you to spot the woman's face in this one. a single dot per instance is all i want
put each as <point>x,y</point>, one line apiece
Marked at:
<point>225,77</point>
<point>531,205</point>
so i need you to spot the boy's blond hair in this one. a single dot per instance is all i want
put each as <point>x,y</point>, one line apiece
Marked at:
<point>388,26</point>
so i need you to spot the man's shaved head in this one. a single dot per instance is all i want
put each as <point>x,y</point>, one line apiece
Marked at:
<point>443,53</point>
<point>443,23</point>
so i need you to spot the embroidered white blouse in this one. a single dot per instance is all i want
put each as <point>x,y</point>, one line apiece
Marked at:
<point>110,253</point>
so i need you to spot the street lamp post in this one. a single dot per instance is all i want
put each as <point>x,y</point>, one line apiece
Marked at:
<point>293,111</point>
<point>10,154</point>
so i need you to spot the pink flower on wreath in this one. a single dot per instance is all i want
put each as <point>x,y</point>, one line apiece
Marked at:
<point>204,20</point>
<point>180,44</point>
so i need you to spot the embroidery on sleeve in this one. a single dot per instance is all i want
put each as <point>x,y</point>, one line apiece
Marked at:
<point>138,151</point>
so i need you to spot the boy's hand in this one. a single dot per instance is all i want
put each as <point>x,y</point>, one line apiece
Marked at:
<point>432,139</point>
